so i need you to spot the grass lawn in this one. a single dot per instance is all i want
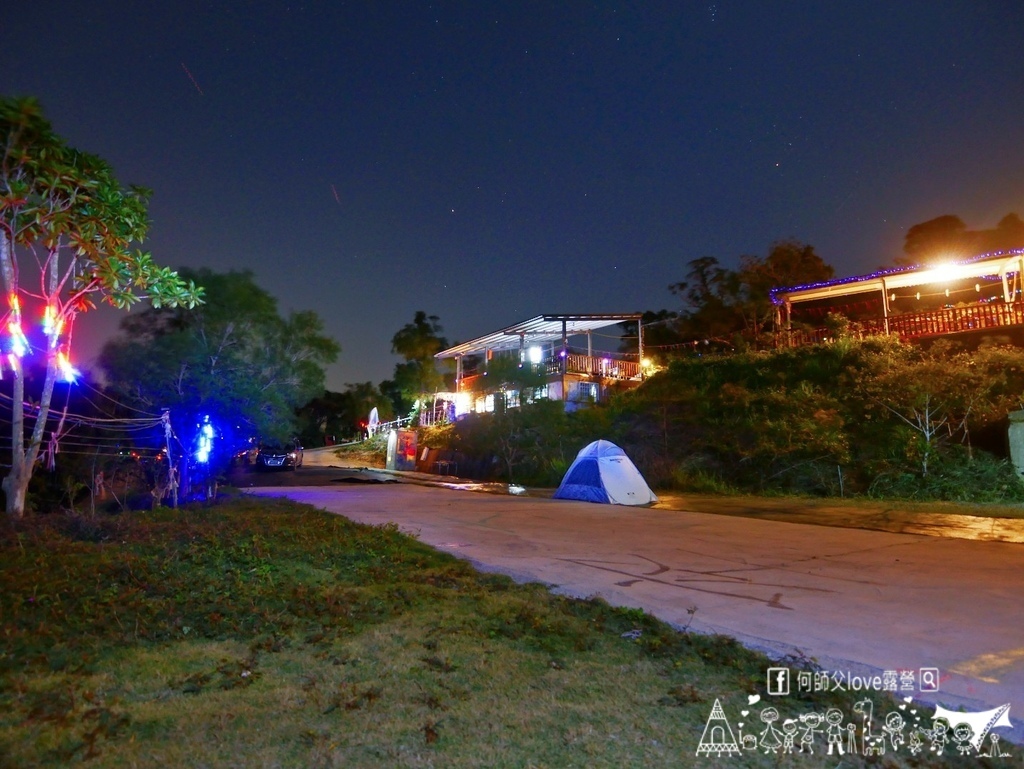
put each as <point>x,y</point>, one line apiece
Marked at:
<point>262,633</point>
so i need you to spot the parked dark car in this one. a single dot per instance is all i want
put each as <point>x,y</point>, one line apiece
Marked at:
<point>279,456</point>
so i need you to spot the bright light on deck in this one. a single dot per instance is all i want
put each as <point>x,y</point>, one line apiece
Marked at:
<point>944,273</point>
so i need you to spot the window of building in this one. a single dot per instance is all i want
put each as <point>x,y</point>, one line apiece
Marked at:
<point>585,391</point>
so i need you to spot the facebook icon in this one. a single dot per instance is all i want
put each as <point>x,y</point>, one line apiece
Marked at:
<point>778,681</point>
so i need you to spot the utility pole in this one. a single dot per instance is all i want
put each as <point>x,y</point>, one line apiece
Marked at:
<point>172,475</point>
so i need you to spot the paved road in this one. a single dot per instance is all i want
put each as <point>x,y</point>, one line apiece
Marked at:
<point>856,601</point>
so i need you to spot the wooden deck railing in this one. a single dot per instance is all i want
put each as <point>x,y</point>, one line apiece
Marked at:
<point>592,365</point>
<point>939,322</point>
<point>607,368</point>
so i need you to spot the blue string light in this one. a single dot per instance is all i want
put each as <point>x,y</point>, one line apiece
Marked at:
<point>202,453</point>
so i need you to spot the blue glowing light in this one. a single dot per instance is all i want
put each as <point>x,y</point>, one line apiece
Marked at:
<point>205,440</point>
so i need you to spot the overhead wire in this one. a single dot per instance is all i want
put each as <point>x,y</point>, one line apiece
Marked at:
<point>30,410</point>
<point>66,436</point>
<point>118,403</point>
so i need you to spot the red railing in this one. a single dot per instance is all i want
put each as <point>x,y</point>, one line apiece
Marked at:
<point>606,368</point>
<point>918,325</point>
<point>591,365</point>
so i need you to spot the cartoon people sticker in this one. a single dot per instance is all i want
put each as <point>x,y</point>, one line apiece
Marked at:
<point>960,732</point>
<point>962,736</point>
<point>789,729</point>
<point>812,726</point>
<point>771,738</point>
<point>834,731</point>
<point>894,729</point>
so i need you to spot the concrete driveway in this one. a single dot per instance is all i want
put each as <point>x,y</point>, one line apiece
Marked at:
<point>858,602</point>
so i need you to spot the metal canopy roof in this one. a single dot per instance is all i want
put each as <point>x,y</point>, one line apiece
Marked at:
<point>543,328</point>
<point>998,265</point>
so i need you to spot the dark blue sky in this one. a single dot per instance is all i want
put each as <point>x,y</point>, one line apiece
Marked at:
<point>488,162</point>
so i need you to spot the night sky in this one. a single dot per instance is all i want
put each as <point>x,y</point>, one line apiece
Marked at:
<point>488,162</point>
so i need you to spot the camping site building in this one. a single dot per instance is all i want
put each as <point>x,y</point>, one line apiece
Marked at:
<point>548,356</point>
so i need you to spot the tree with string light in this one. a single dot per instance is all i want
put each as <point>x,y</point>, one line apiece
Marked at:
<point>65,218</point>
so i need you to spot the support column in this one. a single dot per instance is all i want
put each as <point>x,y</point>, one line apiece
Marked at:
<point>1016,441</point>
<point>885,307</point>
<point>565,358</point>
<point>640,346</point>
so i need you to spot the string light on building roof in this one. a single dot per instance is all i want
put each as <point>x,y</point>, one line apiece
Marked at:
<point>892,271</point>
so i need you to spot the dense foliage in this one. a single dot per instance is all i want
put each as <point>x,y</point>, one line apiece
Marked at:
<point>235,358</point>
<point>725,308</point>
<point>336,417</point>
<point>947,237</point>
<point>416,342</point>
<point>873,417</point>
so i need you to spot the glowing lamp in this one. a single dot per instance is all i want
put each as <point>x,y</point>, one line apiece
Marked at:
<point>19,343</point>
<point>943,273</point>
<point>202,452</point>
<point>536,354</point>
<point>68,373</point>
<point>52,324</point>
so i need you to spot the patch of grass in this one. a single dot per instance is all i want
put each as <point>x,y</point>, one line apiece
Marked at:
<point>264,633</point>
<point>368,453</point>
<point>853,509</point>
<point>699,481</point>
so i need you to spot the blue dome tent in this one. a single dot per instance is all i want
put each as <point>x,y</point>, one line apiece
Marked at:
<point>603,473</point>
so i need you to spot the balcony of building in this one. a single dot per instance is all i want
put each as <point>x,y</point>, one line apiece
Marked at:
<point>942,321</point>
<point>978,296</point>
<point>550,356</point>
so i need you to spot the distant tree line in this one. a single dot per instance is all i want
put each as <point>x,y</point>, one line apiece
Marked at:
<point>947,238</point>
<point>726,308</point>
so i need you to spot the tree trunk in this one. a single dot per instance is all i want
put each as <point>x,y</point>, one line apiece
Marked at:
<point>15,488</point>
<point>15,485</point>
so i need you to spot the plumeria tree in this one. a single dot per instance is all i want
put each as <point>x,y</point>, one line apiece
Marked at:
<point>66,231</point>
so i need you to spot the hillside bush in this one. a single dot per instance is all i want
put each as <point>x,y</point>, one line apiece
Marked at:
<point>873,416</point>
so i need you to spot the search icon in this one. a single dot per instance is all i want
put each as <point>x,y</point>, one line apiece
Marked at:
<point>929,678</point>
